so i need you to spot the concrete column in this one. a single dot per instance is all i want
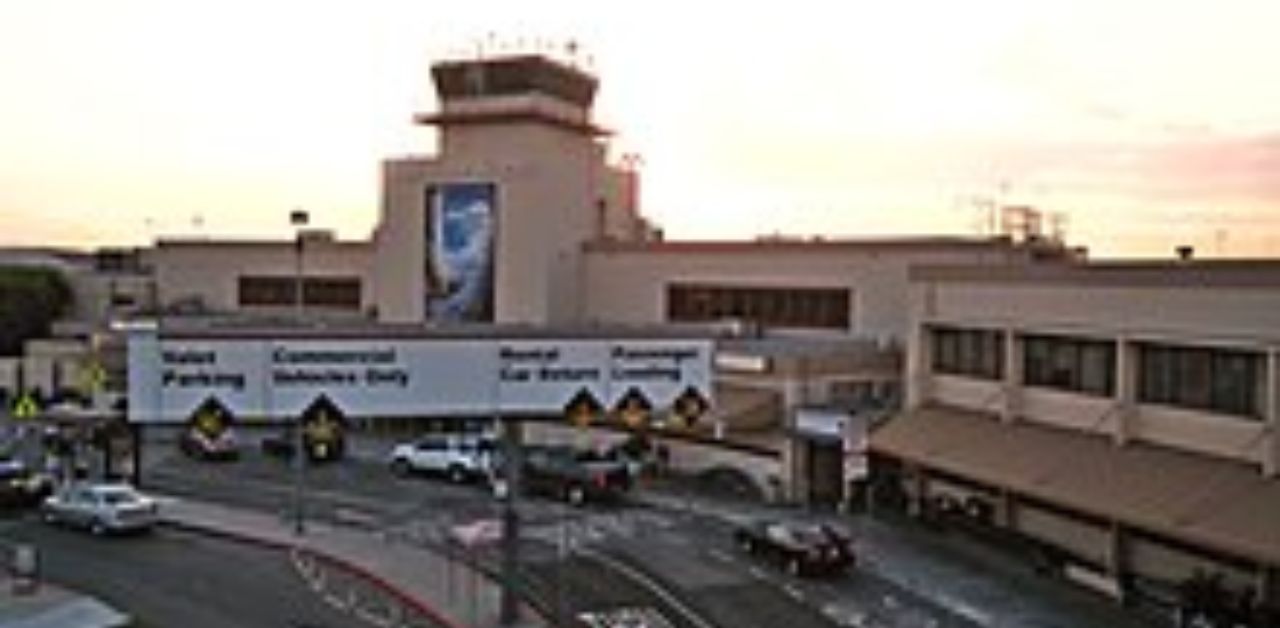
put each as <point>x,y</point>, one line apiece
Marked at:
<point>1005,510</point>
<point>1011,409</point>
<point>1268,585</point>
<point>919,367</point>
<point>1126,392</point>
<point>795,462</point>
<point>915,488</point>
<point>1271,410</point>
<point>1118,563</point>
<point>794,390</point>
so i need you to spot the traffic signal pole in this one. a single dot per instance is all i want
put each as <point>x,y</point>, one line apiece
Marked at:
<point>512,459</point>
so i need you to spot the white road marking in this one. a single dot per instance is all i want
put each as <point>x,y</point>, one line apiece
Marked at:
<point>845,614</point>
<point>657,589</point>
<point>721,556</point>
<point>625,617</point>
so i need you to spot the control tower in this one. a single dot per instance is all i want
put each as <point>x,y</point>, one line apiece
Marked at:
<point>520,176</point>
<point>528,89</point>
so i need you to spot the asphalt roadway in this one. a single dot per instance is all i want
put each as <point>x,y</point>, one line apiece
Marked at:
<point>592,566</point>
<point>171,578</point>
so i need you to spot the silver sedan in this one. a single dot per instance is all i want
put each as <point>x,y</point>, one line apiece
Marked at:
<point>101,508</point>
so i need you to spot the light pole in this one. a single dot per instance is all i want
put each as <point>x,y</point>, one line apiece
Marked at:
<point>512,459</point>
<point>298,218</point>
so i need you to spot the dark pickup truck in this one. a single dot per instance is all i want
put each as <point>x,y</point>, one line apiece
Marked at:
<point>574,475</point>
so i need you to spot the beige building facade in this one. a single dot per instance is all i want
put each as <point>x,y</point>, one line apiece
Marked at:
<point>520,215</point>
<point>838,287</point>
<point>213,277</point>
<point>523,126</point>
<point>1122,416</point>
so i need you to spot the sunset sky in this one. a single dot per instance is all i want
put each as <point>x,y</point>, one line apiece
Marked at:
<point>1148,124</point>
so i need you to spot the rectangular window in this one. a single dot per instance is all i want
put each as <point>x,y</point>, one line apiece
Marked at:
<point>332,292</point>
<point>1073,364</point>
<point>801,308</point>
<point>1226,381</point>
<point>278,291</point>
<point>968,352</point>
<point>266,291</point>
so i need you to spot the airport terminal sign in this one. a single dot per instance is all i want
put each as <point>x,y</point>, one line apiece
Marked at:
<point>264,379</point>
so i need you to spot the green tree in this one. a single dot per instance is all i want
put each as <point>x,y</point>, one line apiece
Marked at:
<point>31,298</point>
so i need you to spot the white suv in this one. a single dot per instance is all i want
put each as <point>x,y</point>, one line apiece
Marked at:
<point>459,457</point>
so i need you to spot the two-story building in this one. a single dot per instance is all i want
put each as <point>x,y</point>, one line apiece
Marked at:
<point>1120,417</point>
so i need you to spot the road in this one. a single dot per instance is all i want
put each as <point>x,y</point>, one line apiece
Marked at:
<point>171,578</point>
<point>671,565</point>
<point>679,568</point>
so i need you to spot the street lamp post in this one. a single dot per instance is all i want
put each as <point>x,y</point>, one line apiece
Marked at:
<point>512,458</point>
<point>298,218</point>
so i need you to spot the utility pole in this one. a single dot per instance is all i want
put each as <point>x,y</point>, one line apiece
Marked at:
<point>298,218</point>
<point>512,458</point>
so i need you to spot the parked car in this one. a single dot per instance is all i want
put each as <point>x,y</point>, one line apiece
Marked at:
<point>459,457</point>
<point>574,475</point>
<point>101,508</point>
<point>800,548</point>
<point>201,445</point>
<point>21,487</point>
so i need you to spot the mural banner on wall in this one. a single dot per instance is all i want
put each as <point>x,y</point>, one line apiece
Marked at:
<point>461,236</point>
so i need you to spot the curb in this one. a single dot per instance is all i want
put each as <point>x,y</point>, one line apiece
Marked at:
<point>395,591</point>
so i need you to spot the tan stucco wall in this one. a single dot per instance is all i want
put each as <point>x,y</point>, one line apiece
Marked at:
<point>630,286</point>
<point>549,182</point>
<point>1231,316</point>
<point>1216,314</point>
<point>210,270</point>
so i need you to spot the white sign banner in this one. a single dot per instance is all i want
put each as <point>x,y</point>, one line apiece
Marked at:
<point>661,370</point>
<point>547,374</point>
<point>271,379</point>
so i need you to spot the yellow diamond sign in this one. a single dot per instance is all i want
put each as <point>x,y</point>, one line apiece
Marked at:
<point>26,406</point>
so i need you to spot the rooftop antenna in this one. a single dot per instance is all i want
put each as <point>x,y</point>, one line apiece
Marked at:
<point>1058,223</point>
<point>571,51</point>
<point>984,213</point>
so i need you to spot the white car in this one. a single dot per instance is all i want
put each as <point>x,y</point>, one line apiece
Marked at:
<point>101,508</point>
<point>459,457</point>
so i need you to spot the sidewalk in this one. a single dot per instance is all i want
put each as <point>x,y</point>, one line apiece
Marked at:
<point>426,584</point>
<point>52,606</point>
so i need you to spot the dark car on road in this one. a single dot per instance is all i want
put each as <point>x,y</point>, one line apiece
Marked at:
<point>21,487</point>
<point>202,445</point>
<point>577,476</point>
<point>801,548</point>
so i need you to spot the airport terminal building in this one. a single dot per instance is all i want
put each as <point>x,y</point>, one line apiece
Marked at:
<point>519,218</point>
<point>1121,417</point>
